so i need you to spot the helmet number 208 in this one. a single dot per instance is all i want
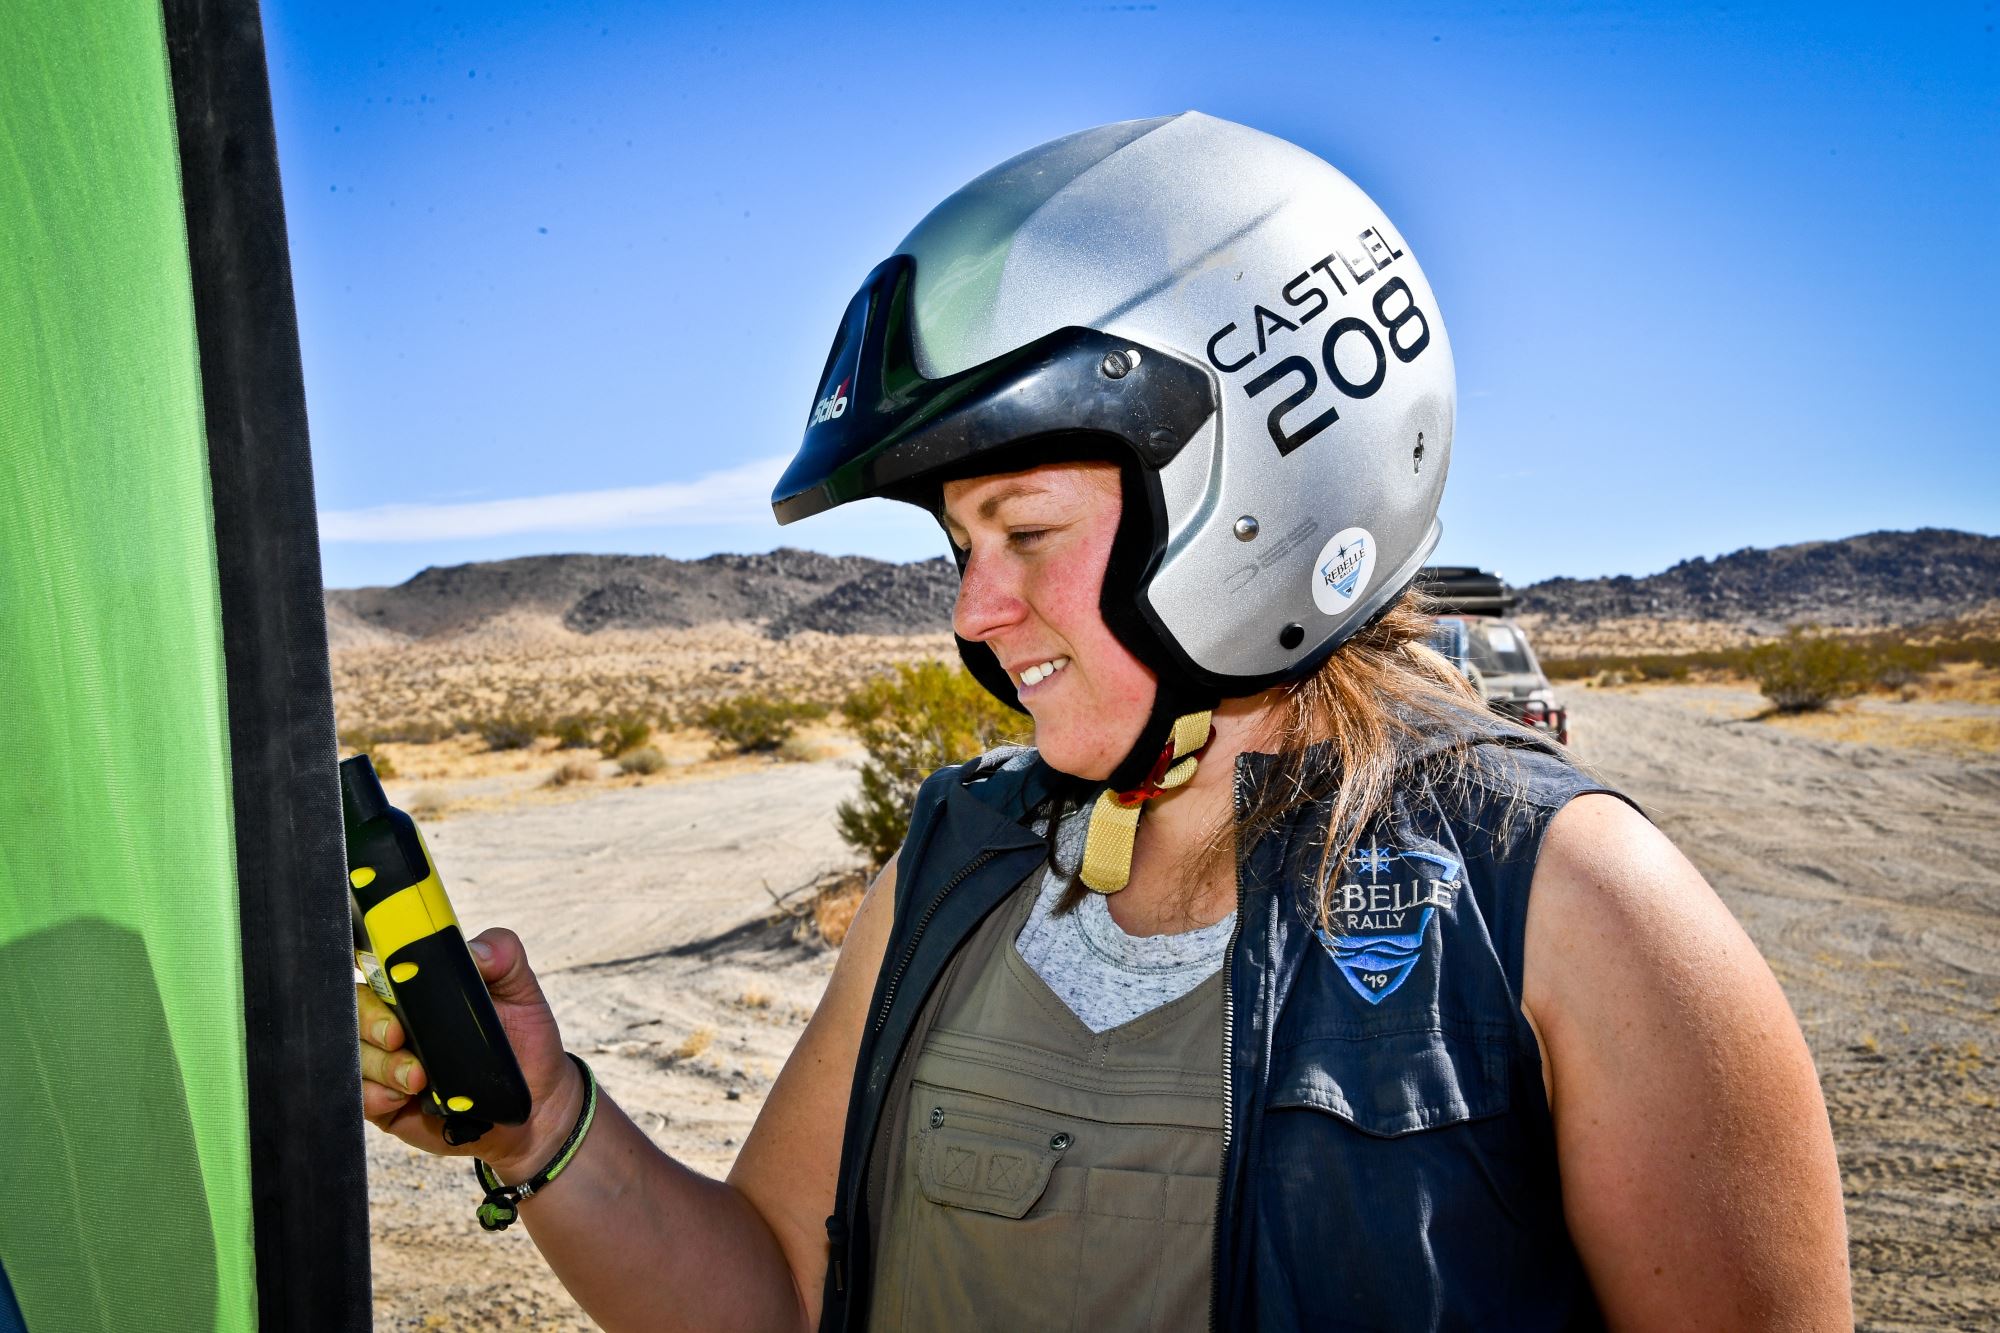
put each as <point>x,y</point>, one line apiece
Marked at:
<point>1404,341</point>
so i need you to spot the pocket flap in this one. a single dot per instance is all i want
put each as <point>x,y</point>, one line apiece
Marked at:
<point>1395,1083</point>
<point>963,1168</point>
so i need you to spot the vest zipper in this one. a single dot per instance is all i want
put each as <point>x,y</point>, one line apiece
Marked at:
<point>1228,1068</point>
<point>917,935</point>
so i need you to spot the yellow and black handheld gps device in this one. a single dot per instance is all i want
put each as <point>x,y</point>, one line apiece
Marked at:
<point>408,945</point>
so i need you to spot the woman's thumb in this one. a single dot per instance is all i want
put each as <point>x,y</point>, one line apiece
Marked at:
<point>503,964</point>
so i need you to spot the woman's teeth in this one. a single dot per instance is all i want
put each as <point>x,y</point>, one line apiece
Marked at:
<point>1034,675</point>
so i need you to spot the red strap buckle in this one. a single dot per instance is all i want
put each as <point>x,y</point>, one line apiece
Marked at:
<point>1151,787</point>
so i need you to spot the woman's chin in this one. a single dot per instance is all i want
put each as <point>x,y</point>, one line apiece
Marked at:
<point>1092,763</point>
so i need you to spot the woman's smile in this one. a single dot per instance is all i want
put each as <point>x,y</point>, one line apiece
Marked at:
<point>1033,677</point>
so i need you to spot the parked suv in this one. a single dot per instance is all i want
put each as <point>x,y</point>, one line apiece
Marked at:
<point>1473,631</point>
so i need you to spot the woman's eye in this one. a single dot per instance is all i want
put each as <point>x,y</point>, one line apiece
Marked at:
<point>1026,536</point>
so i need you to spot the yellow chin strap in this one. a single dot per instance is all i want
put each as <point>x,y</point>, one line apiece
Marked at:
<point>1114,820</point>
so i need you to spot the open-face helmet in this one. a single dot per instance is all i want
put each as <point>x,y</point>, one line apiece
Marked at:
<point>1221,311</point>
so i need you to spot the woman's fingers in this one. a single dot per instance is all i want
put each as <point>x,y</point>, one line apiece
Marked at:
<point>395,1070</point>
<point>378,1102</point>
<point>378,1021</point>
<point>393,1084</point>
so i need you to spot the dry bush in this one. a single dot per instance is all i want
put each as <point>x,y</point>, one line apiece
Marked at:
<point>798,750</point>
<point>574,770</point>
<point>914,723</point>
<point>622,735</point>
<point>1807,670</point>
<point>575,732</point>
<point>834,906</point>
<point>751,723</point>
<point>755,999</point>
<point>428,803</point>
<point>508,731</point>
<point>694,1044</point>
<point>1895,664</point>
<point>644,760</point>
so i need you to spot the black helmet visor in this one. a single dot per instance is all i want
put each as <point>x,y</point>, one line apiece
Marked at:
<point>878,427</point>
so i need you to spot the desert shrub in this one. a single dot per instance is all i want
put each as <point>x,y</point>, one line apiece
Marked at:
<point>385,767</point>
<point>799,750</point>
<point>694,1043</point>
<point>426,731</point>
<point>1807,670</point>
<point>913,723</point>
<point>508,731</point>
<point>1896,665</point>
<point>753,722</point>
<point>622,735</point>
<point>1647,666</point>
<point>645,759</point>
<point>573,771</point>
<point>575,732</point>
<point>428,803</point>
<point>833,908</point>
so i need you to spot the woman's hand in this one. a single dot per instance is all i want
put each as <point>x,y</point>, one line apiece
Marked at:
<point>392,1078</point>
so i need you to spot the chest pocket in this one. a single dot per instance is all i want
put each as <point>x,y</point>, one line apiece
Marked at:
<point>1011,1201</point>
<point>1395,1083</point>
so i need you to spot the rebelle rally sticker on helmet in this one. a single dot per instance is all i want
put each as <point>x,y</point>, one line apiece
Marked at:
<point>1343,570</point>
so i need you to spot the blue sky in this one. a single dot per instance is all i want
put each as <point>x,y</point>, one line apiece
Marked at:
<point>1716,276</point>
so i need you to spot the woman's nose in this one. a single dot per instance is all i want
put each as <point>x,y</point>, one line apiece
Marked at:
<point>988,602</point>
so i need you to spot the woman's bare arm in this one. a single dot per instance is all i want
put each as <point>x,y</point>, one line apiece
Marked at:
<point>641,1241</point>
<point>1698,1170</point>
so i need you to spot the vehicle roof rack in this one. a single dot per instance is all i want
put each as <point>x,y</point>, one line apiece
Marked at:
<point>1464,590</point>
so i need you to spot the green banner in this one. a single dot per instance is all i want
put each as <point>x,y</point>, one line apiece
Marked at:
<point>124,1177</point>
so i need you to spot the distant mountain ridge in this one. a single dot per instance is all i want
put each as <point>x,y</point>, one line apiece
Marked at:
<point>1879,578</point>
<point>787,590</point>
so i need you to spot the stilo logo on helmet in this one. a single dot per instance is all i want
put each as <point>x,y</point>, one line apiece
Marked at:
<point>830,407</point>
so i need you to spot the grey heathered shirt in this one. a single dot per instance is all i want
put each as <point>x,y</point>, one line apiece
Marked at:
<point>1105,976</point>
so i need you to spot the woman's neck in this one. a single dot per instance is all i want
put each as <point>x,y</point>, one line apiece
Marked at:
<point>1171,888</point>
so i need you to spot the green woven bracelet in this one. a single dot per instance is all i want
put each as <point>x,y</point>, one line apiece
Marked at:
<point>503,1202</point>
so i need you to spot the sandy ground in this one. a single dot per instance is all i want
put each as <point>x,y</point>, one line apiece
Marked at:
<point>1867,875</point>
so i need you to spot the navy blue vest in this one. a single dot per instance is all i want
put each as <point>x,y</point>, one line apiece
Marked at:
<point>1389,1159</point>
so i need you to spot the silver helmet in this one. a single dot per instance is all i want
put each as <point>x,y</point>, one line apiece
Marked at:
<point>1220,310</point>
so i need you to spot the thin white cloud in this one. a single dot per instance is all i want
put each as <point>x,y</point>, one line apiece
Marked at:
<point>739,495</point>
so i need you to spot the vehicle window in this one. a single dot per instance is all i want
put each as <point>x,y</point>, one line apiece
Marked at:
<point>1449,637</point>
<point>1499,649</point>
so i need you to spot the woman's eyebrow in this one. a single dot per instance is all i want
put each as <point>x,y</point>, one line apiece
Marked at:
<point>1012,491</point>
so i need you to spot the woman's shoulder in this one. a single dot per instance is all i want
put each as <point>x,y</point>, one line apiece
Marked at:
<point>1011,778</point>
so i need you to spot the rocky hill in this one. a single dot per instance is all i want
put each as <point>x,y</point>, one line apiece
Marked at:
<point>1879,578</point>
<point>787,590</point>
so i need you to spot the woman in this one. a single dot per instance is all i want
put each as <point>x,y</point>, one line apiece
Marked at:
<point>1279,985</point>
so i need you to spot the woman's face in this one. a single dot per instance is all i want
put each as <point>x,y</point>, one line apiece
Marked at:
<point>1036,543</point>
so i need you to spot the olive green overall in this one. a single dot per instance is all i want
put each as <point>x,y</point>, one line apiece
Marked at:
<point>1045,1177</point>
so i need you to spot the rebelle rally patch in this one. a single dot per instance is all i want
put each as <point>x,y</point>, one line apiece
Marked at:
<point>1380,915</point>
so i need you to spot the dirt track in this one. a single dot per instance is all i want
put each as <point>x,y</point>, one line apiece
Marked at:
<point>1868,877</point>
